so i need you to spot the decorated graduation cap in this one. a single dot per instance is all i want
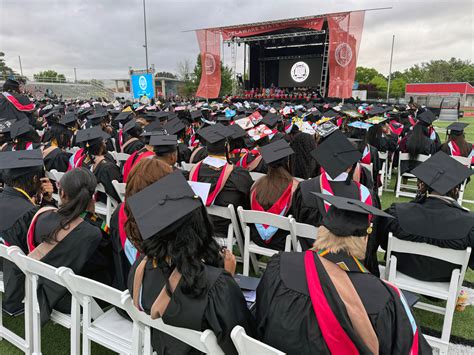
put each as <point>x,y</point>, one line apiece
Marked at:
<point>426,118</point>
<point>336,154</point>
<point>5,125</point>
<point>91,136</point>
<point>326,128</point>
<point>19,128</point>
<point>348,217</point>
<point>164,143</point>
<point>162,207</point>
<point>442,173</point>
<point>275,152</point>
<point>376,120</point>
<point>174,126</point>
<point>16,163</point>
<point>456,128</point>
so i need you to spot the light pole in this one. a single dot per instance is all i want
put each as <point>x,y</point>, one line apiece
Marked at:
<point>390,70</point>
<point>146,41</point>
<point>75,76</point>
<point>21,68</point>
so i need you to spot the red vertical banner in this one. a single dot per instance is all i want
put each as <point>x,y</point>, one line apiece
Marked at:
<point>345,32</point>
<point>210,46</point>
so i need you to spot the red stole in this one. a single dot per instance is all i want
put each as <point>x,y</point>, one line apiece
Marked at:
<point>396,127</point>
<point>18,105</point>
<point>132,161</point>
<point>30,236</point>
<point>454,149</point>
<point>224,175</point>
<point>76,160</point>
<point>366,157</point>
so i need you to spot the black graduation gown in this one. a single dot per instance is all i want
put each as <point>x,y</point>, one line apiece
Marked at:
<point>109,144</point>
<point>220,309</point>
<point>200,155</point>
<point>386,143</point>
<point>184,153</point>
<point>286,319</point>
<point>236,191</point>
<point>10,111</point>
<point>134,146</point>
<point>261,168</point>
<point>121,264</point>
<point>15,218</point>
<point>75,251</point>
<point>106,172</point>
<point>58,160</point>
<point>428,147</point>
<point>433,221</point>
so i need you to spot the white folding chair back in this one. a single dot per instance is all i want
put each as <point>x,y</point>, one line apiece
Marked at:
<point>72,150</point>
<point>120,157</point>
<point>205,341</point>
<point>447,291</point>
<point>409,190</point>
<point>247,217</point>
<point>55,176</point>
<point>24,344</point>
<point>187,166</point>
<point>120,189</point>
<point>383,156</point>
<point>110,329</point>
<point>301,230</point>
<point>105,209</point>
<point>248,345</point>
<point>256,176</point>
<point>466,161</point>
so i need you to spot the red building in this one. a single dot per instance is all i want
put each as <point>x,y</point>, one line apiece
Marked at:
<point>433,93</point>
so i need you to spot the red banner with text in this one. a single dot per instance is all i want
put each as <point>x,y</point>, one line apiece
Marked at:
<point>345,32</point>
<point>210,46</point>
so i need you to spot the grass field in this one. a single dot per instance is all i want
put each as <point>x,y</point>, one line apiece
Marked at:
<point>55,339</point>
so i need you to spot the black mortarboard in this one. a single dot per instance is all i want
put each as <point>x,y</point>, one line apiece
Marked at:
<point>348,217</point>
<point>195,114</point>
<point>152,127</point>
<point>426,118</point>
<point>122,116</point>
<point>336,153</point>
<point>129,125</point>
<point>377,110</point>
<point>456,128</point>
<point>164,143</point>
<point>68,119</point>
<point>5,125</point>
<point>84,111</point>
<point>18,128</point>
<point>237,131</point>
<point>214,134</point>
<point>96,118</point>
<point>91,136</point>
<point>271,119</point>
<point>330,113</point>
<point>442,173</point>
<point>174,126</point>
<point>159,207</point>
<point>275,151</point>
<point>17,163</point>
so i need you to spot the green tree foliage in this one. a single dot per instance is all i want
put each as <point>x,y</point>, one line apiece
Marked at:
<point>365,75</point>
<point>49,76</point>
<point>5,70</point>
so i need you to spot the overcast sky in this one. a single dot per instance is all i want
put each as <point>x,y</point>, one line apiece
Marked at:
<point>103,38</point>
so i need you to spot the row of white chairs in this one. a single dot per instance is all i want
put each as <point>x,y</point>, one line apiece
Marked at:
<point>106,328</point>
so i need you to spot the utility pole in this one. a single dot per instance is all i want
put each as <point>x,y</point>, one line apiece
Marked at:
<point>390,70</point>
<point>21,68</point>
<point>75,76</point>
<point>146,41</point>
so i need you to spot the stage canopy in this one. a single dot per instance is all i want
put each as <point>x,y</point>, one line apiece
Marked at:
<point>344,29</point>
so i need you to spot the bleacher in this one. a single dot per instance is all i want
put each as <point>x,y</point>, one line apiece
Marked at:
<point>69,90</point>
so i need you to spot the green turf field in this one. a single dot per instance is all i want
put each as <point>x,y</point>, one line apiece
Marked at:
<point>55,339</point>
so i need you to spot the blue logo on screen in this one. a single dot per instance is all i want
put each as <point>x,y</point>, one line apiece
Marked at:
<point>142,85</point>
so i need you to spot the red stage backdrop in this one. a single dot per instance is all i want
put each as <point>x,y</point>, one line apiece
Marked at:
<point>345,32</point>
<point>210,46</point>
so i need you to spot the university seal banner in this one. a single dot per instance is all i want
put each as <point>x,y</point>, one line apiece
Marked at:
<point>210,46</point>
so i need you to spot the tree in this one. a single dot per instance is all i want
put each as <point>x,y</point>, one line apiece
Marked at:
<point>49,76</point>
<point>380,83</point>
<point>5,70</point>
<point>365,75</point>
<point>397,87</point>
<point>165,74</point>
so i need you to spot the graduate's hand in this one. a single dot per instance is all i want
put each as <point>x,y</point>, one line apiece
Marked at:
<point>229,261</point>
<point>46,189</point>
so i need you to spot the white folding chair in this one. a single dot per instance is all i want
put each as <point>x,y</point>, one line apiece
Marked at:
<point>301,230</point>
<point>72,150</point>
<point>55,176</point>
<point>120,189</point>
<point>105,209</point>
<point>247,217</point>
<point>233,232</point>
<point>383,156</point>
<point>256,176</point>
<point>119,157</point>
<point>409,190</point>
<point>187,166</point>
<point>26,344</point>
<point>447,291</point>
<point>205,342</point>
<point>466,161</point>
<point>34,269</point>
<point>110,329</point>
<point>248,345</point>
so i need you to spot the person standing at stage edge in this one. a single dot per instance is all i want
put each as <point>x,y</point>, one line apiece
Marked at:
<point>229,184</point>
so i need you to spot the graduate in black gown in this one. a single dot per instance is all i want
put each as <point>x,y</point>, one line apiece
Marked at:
<point>24,136</point>
<point>456,144</point>
<point>171,228</point>
<point>273,193</point>
<point>59,138</point>
<point>93,142</point>
<point>131,141</point>
<point>434,217</point>
<point>14,105</point>
<point>100,118</point>
<point>177,127</point>
<point>324,301</point>
<point>25,190</point>
<point>229,184</point>
<point>65,237</point>
<point>380,137</point>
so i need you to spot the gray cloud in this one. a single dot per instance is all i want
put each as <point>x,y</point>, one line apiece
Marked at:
<point>102,38</point>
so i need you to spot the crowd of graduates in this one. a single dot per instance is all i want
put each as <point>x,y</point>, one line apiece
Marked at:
<point>161,242</point>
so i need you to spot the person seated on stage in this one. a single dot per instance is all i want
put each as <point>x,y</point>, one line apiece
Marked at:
<point>381,137</point>
<point>59,138</point>
<point>273,193</point>
<point>25,189</point>
<point>338,158</point>
<point>66,237</point>
<point>434,217</point>
<point>171,229</point>
<point>229,184</point>
<point>142,175</point>
<point>129,140</point>
<point>93,142</point>
<point>323,301</point>
<point>421,140</point>
<point>456,145</point>
<point>177,127</point>
<point>24,137</point>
